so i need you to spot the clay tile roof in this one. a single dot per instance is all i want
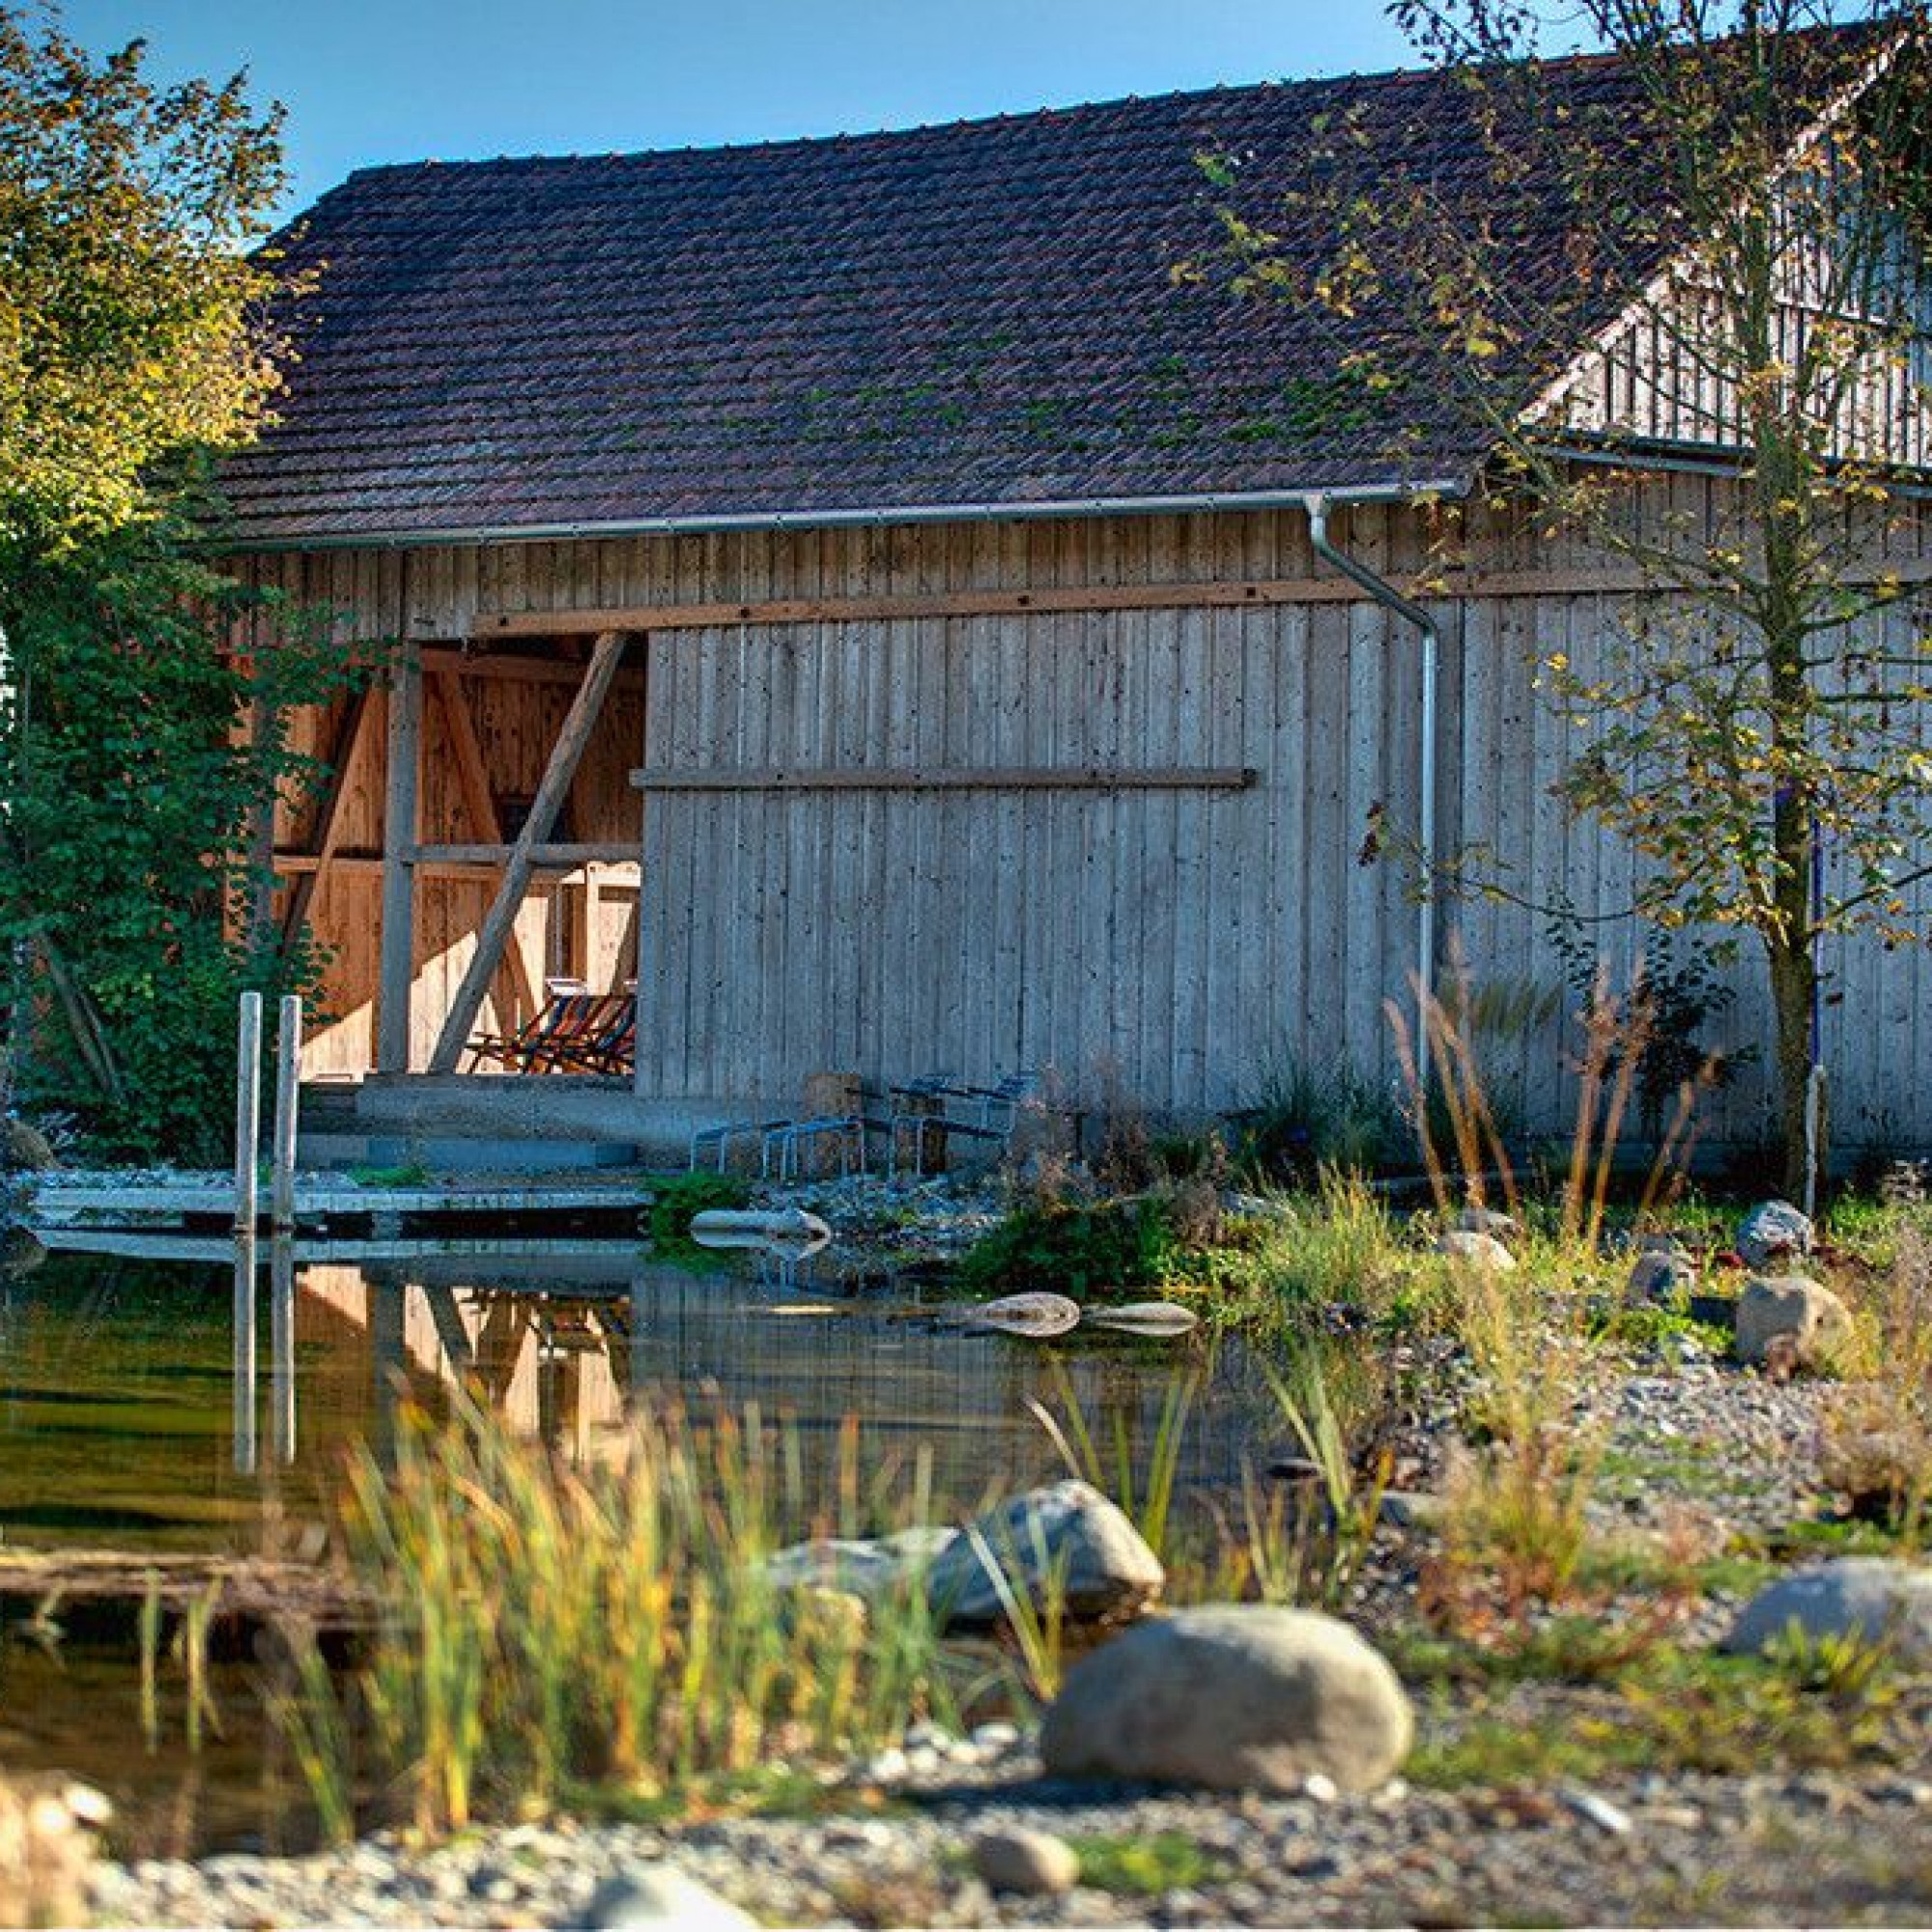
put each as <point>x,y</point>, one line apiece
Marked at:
<point>965,315</point>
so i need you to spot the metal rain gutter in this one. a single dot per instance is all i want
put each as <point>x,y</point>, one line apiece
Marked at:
<point>811,519</point>
<point>1411,613</point>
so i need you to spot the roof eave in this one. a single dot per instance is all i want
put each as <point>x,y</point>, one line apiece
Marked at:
<point>1378,492</point>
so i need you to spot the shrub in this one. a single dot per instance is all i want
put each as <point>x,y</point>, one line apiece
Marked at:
<point>676,1196</point>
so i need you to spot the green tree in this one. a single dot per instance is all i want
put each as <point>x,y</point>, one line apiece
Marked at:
<point>131,314</point>
<point>144,699</point>
<point>1734,210</point>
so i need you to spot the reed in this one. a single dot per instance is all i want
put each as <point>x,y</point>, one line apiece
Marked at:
<point>542,1627</point>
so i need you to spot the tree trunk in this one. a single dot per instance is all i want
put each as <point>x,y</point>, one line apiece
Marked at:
<point>1794,978</point>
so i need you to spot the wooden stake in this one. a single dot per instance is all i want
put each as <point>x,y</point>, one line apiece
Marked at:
<point>288,1105</point>
<point>247,1111</point>
<point>584,709</point>
<point>397,969</point>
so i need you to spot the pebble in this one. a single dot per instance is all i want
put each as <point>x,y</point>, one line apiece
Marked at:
<point>1598,1810</point>
<point>1015,1860</point>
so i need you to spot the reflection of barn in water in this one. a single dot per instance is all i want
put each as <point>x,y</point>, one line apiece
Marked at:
<point>564,1350</point>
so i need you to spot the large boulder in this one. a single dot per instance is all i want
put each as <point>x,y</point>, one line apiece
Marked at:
<point>1773,1234</point>
<point>1876,1598</point>
<point>1790,1322</point>
<point>1068,1532</point>
<point>1232,1697</point>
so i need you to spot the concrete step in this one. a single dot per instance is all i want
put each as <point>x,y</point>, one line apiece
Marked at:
<point>461,1153</point>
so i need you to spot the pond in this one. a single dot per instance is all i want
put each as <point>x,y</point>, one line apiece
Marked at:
<point>191,1408</point>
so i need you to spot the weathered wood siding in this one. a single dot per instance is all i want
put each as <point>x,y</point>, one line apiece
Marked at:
<point>1165,946</point>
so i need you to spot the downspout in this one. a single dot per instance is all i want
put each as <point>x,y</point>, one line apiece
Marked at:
<point>1411,613</point>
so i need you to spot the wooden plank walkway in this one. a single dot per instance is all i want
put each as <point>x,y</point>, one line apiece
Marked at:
<point>59,1203</point>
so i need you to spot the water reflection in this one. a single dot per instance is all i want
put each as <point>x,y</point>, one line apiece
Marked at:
<point>190,1406</point>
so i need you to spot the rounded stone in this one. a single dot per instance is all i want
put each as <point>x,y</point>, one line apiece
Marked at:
<point>1020,1861</point>
<point>1232,1697</point>
<point>662,1896</point>
<point>1473,1249</point>
<point>1772,1232</point>
<point>1792,1316</point>
<point>1876,1599</point>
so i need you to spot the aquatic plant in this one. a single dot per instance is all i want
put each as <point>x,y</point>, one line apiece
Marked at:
<point>543,1627</point>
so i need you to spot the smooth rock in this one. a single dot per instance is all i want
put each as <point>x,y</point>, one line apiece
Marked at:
<point>1774,1231</point>
<point>1660,1277</point>
<point>1475,1249</point>
<point>662,1896</point>
<point>25,1148</point>
<point>1487,1221</point>
<point>1792,1317</point>
<point>1232,1697</point>
<point>1020,1861</point>
<point>1877,1598</point>
<point>1067,1531</point>
<point>1144,1318</point>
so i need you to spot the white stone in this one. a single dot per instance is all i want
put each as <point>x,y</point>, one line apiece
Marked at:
<point>1019,1860</point>
<point>1232,1697</point>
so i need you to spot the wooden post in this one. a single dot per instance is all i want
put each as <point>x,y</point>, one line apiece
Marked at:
<point>397,969</point>
<point>288,1106</point>
<point>247,1111</point>
<point>564,756</point>
<point>244,1404</point>
<point>282,1351</point>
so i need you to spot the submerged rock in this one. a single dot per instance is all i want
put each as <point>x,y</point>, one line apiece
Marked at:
<point>1067,1531</point>
<point>1037,1316</point>
<point>1790,1322</point>
<point>1144,1318</point>
<point>1876,1598</point>
<point>1772,1232</point>
<point>1232,1697</point>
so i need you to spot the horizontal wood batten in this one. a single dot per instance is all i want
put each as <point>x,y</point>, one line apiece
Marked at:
<point>600,852</point>
<point>1033,778</point>
<point>1068,600</point>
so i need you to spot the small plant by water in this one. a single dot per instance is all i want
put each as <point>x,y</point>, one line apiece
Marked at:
<point>544,1628</point>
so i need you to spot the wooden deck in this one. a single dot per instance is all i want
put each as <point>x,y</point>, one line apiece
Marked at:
<point>184,1202</point>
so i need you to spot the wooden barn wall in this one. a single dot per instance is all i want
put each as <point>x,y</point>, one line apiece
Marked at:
<point>1172,947</point>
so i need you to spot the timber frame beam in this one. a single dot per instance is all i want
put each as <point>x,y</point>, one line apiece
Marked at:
<point>1257,593</point>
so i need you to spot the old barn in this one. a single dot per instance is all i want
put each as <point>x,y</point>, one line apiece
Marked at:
<point>858,591</point>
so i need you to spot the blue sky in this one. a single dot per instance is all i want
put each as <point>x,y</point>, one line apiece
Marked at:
<point>385,80</point>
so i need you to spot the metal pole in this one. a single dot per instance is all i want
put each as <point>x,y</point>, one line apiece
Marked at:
<point>247,1111</point>
<point>288,1106</point>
